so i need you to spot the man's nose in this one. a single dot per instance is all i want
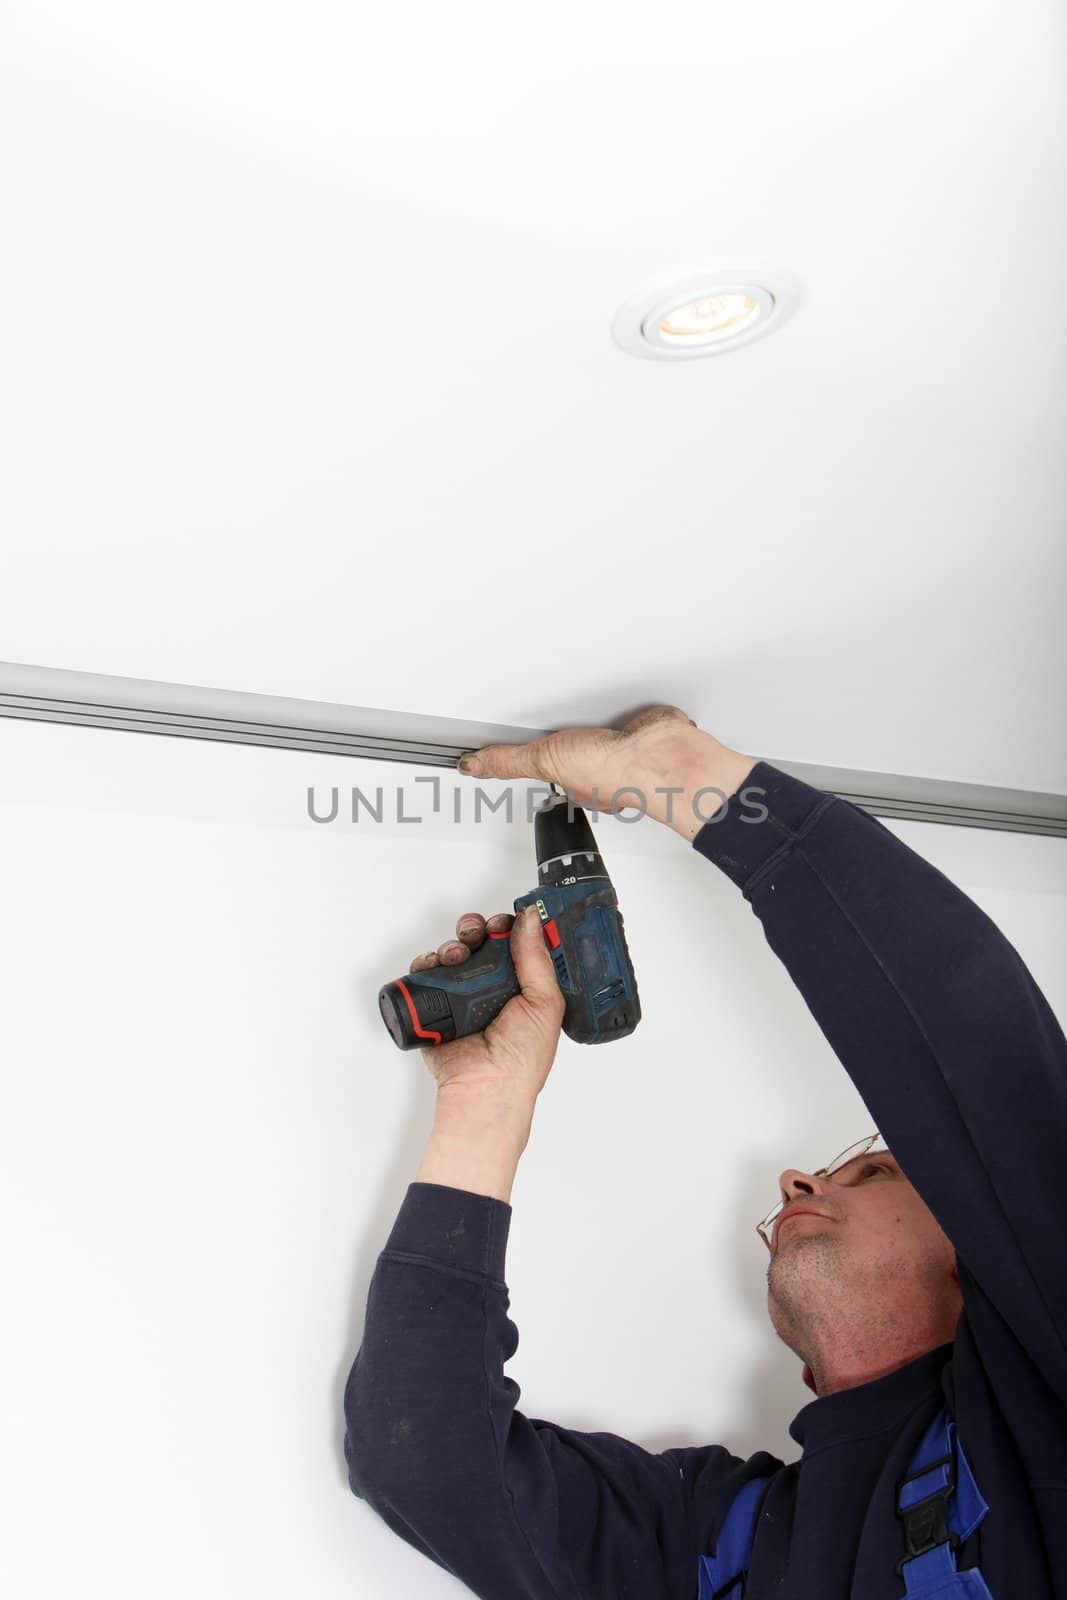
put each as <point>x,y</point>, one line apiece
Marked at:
<point>793,1183</point>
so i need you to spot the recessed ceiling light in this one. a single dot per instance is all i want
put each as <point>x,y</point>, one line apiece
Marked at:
<point>704,314</point>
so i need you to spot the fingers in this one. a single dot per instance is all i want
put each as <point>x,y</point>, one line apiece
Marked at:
<point>473,930</point>
<point>506,761</point>
<point>535,971</point>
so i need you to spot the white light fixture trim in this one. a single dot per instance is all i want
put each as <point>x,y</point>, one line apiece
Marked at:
<point>704,313</point>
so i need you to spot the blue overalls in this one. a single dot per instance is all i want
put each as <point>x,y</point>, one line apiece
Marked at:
<point>938,1515</point>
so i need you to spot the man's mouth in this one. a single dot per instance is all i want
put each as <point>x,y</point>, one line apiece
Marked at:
<point>795,1211</point>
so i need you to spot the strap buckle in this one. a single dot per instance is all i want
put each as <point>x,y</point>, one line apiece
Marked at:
<point>925,1521</point>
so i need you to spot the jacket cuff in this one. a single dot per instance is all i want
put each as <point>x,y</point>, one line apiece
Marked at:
<point>454,1228</point>
<point>760,823</point>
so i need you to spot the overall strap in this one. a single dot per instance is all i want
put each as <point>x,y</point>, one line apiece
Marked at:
<point>722,1575</point>
<point>940,1506</point>
<point>938,1501</point>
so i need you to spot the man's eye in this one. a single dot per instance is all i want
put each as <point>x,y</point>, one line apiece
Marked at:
<point>878,1168</point>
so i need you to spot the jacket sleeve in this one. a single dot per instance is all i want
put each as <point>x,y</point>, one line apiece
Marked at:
<point>938,1023</point>
<point>515,1507</point>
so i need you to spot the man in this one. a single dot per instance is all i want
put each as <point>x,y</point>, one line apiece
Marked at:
<point>932,1274</point>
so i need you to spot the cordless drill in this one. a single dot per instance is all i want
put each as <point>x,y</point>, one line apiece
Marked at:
<point>582,927</point>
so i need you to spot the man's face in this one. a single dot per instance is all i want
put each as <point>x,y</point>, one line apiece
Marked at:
<point>870,1196</point>
<point>874,1271</point>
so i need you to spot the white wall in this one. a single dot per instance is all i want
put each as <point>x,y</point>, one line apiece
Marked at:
<point>206,1134</point>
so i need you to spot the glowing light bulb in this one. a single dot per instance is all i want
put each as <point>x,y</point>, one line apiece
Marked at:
<point>712,317</point>
<point>705,313</point>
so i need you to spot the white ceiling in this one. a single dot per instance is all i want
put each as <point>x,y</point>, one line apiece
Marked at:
<point>309,376</point>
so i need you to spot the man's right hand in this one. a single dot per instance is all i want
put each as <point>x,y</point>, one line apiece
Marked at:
<point>511,1059</point>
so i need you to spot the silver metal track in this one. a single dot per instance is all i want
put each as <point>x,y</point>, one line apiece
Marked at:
<point>187,711</point>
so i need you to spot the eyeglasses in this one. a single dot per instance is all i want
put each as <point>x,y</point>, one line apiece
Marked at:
<point>875,1142</point>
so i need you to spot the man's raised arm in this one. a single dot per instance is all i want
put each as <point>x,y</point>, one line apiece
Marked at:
<point>941,1027</point>
<point>929,1008</point>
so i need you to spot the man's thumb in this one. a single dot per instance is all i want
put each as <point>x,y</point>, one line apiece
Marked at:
<point>503,761</point>
<point>533,964</point>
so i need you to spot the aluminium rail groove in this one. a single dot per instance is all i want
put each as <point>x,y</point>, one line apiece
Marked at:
<point>136,705</point>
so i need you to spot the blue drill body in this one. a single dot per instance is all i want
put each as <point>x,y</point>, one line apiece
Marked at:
<point>583,929</point>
